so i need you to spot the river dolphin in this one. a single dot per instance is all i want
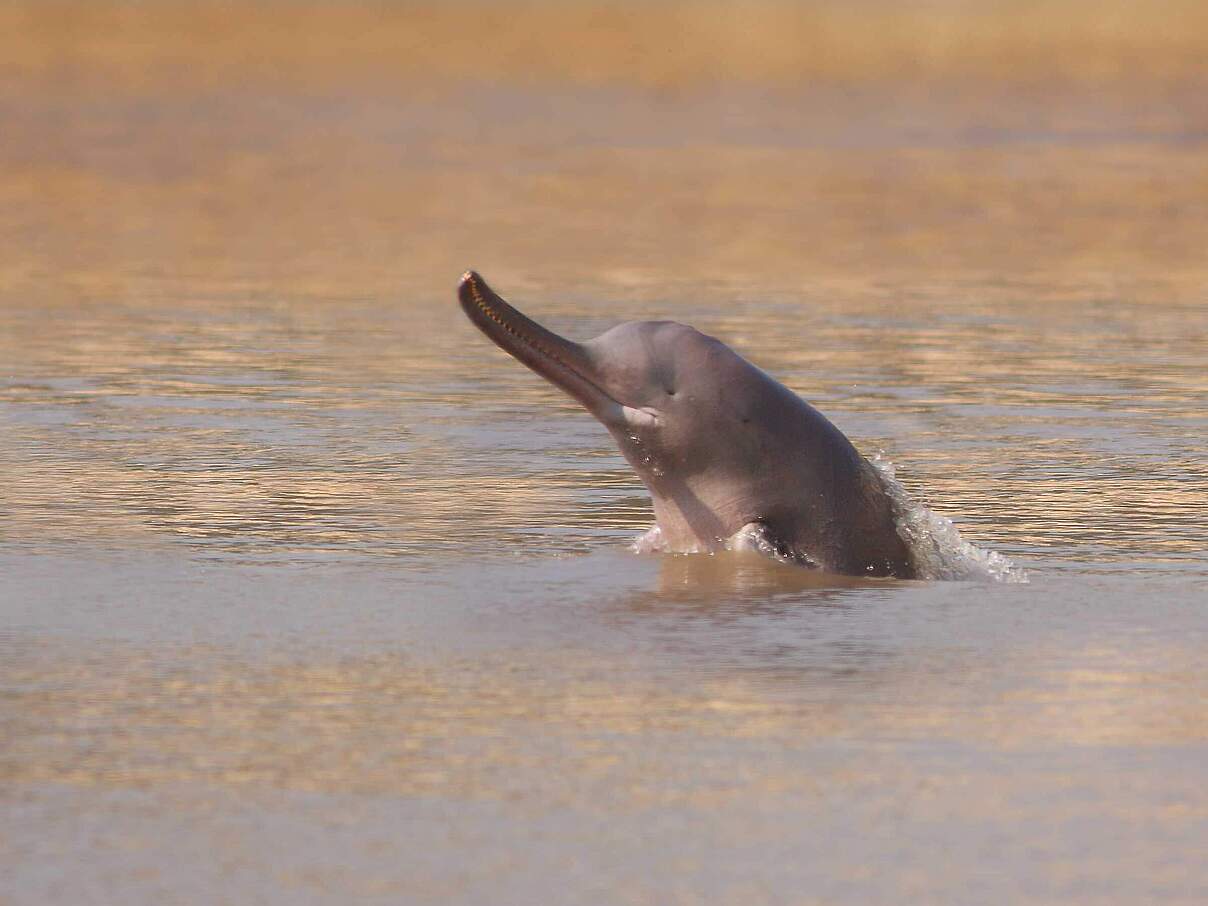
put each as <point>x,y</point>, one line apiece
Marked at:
<point>732,458</point>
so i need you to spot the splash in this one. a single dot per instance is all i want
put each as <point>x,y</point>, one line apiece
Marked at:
<point>938,549</point>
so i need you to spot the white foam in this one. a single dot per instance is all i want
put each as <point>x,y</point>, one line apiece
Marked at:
<point>938,549</point>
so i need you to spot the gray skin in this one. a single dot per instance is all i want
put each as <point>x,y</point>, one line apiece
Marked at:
<point>732,458</point>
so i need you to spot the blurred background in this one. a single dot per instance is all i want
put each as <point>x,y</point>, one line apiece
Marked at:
<point>360,147</point>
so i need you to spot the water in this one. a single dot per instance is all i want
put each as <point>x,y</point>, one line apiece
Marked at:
<point>309,594</point>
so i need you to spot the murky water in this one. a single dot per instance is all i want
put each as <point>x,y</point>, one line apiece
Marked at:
<point>309,594</point>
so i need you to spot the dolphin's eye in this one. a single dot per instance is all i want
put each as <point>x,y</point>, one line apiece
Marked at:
<point>669,391</point>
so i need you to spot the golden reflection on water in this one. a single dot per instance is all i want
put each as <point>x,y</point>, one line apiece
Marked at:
<point>492,728</point>
<point>1050,422</point>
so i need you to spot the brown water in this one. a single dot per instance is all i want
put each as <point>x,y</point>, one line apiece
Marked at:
<point>309,594</point>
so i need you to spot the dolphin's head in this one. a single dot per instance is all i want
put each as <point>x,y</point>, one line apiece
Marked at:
<point>677,401</point>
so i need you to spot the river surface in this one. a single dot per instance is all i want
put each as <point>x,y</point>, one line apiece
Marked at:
<point>309,594</point>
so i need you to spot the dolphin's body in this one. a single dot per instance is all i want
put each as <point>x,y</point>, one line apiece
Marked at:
<point>732,458</point>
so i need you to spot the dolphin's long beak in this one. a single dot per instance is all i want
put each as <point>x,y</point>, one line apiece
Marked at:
<point>561,362</point>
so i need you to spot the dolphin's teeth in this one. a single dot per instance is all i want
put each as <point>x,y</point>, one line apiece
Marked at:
<point>508,328</point>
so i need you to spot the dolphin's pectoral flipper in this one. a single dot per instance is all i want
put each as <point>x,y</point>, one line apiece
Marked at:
<point>757,537</point>
<point>650,541</point>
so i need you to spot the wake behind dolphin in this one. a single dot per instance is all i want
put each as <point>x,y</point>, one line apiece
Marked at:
<point>732,458</point>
